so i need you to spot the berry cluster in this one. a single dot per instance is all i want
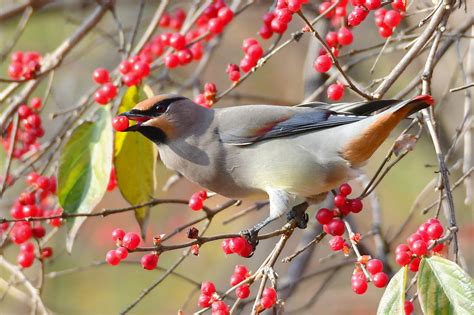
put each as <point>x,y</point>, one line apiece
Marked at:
<point>375,268</point>
<point>207,98</point>
<point>24,65</point>
<point>126,242</point>
<point>108,90</point>
<point>209,297</point>
<point>27,256</point>
<point>237,245</point>
<point>36,201</point>
<point>134,69</point>
<point>29,129</point>
<point>197,200</point>
<point>331,219</point>
<point>387,21</point>
<point>173,20</point>
<point>269,298</point>
<point>277,21</point>
<point>233,71</point>
<point>419,243</point>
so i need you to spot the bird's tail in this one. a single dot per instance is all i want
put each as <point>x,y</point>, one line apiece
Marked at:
<point>374,130</point>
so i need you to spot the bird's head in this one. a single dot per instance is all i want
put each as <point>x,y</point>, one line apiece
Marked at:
<point>163,117</point>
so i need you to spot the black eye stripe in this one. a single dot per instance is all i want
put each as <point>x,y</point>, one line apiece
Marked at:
<point>161,106</point>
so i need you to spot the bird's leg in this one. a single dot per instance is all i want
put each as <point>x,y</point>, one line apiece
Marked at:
<point>298,213</point>
<point>251,235</point>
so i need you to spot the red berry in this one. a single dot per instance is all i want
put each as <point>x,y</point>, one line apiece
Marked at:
<point>185,56</point>
<point>29,211</point>
<point>149,261</point>
<point>392,18</point>
<point>336,227</point>
<point>247,43</point>
<point>325,6</point>
<point>33,121</point>
<point>255,52</point>
<point>46,252</point>
<point>339,200</point>
<point>109,90</point>
<point>335,91</point>
<point>323,63</point>
<point>374,266</point>
<point>324,216</point>
<point>402,248</point>
<point>243,291</point>
<point>36,103</point>
<point>408,307</point>
<point>399,5</point>
<point>20,233</point>
<point>131,241</point>
<point>435,231</point>
<point>278,26</point>
<point>331,39</point>
<point>111,258</point>
<point>165,20</point>
<point>38,231</point>
<point>380,279</point>
<point>359,286</point>
<point>241,270</point>
<point>270,293</point>
<point>17,56</point>
<point>204,300</point>
<point>283,15</point>
<point>125,67</point>
<point>236,279</point>
<point>101,76</point>
<point>380,12</point>
<point>413,238</point>
<point>131,79</point>
<point>195,203</point>
<point>27,247</point>
<point>177,41</point>
<point>216,25</point>
<point>15,70</point>
<point>265,31</point>
<point>385,31</point>
<point>225,245</point>
<point>121,252</point>
<point>197,51</point>
<point>26,259</point>
<point>142,69</point>
<point>246,251</point>
<point>403,258</point>
<point>419,248</point>
<point>294,5</point>
<point>100,97</point>
<point>438,248</point>
<point>225,14</point>
<point>120,123</point>
<point>344,36</point>
<point>234,76</point>
<point>340,11</point>
<point>208,288</point>
<point>373,4</point>
<point>171,61</point>
<point>219,306</point>
<point>246,64</point>
<point>268,17</point>
<point>336,243</point>
<point>237,244</point>
<point>415,264</point>
<point>24,111</point>
<point>345,189</point>
<point>267,302</point>
<point>358,274</point>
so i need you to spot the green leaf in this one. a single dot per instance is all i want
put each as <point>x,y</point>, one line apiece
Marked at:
<point>84,168</point>
<point>444,287</point>
<point>135,161</point>
<point>393,299</point>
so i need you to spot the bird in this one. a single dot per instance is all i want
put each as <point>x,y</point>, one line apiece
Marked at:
<point>292,155</point>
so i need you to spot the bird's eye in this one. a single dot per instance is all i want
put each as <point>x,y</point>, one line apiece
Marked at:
<point>161,108</point>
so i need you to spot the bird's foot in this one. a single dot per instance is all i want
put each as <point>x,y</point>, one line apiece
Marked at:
<point>251,235</point>
<point>298,213</point>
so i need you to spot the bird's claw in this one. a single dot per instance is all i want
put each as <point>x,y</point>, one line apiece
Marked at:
<point>301,218</point>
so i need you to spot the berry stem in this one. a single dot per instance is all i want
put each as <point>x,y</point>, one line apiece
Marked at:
<point>355,248</point>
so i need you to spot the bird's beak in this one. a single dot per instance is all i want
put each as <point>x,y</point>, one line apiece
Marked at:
<point>138,116</point>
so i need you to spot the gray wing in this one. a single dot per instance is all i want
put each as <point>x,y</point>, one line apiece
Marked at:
<point>245,125</point>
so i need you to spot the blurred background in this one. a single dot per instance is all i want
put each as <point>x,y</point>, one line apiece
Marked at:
<point>107,290</point>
